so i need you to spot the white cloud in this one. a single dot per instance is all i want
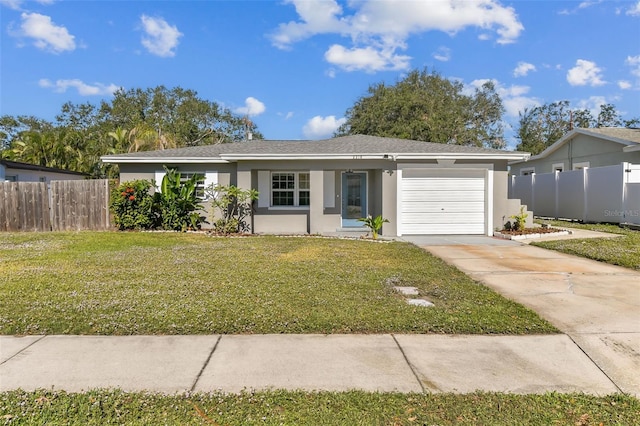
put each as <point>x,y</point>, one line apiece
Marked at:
<point>582,5</point>
<point>17,4</point>
<point>443,54</point>
<point>592,104</point>
<point>365,59</point>
<point>160,38</point>
<point>586,4</point>
<point>585,73</point>
<point>11,4</point>
<point>379,28</point>
<point>46,35</point>
<point>634,63</point>
<point>322,127</point>
<point>513,97</point>
<point>624,84</point>
<point>252,107</point>
<point>83,89</point>
<point>316,17</point>
<point>523,68</point>
<point>634,10</point>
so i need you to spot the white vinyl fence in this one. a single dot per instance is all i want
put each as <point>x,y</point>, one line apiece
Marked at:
<point>599,194</point>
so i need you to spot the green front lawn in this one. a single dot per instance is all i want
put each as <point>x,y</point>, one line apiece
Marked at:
<point>621,251</point>
<point>170,283</point>
<point>315,408</point>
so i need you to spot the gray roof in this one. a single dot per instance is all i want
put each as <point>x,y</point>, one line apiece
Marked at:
<point>622,133</point>
<point>345,145</point>
<point>628,137</point>
<point>26,166</point>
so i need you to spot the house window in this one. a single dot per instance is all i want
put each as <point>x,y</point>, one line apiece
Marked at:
<point>185,176</point>
<point>290,189</point>
<point>527,171</point>
<point>558,167</point>
<point>43,179</point>
<point>580,166</point>
<point>9,178</point>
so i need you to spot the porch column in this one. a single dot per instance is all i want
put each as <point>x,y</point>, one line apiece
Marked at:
<point>389,201</point>
<point>244,182</point>
<point>316,204</point>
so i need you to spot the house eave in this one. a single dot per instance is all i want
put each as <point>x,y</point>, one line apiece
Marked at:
<point>387,156</point>
<point>229,158</point>
<point>162,160</point>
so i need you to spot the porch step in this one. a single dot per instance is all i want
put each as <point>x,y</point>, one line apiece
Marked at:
<point>361,230</point>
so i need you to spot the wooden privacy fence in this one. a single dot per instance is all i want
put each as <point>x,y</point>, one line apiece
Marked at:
<point>64,205</point>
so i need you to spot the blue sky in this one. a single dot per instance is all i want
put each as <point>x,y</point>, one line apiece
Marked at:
<point>296,66</point>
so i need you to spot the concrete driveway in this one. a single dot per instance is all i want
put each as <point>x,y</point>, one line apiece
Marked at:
<point>597,305</point>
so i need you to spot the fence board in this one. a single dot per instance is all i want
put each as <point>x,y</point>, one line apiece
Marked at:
<point>62,206</point>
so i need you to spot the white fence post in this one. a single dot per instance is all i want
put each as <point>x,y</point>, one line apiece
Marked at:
<point>585,189</point>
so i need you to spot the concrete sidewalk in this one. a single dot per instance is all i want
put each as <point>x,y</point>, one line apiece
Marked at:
<point>231,363</point>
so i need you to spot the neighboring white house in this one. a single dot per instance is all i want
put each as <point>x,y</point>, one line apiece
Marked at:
<point>583,148</point>
<point>13,171</point>
<point>326,186</point>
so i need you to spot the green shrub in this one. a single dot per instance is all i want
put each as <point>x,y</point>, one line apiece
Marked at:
<point>374,224</point>
<point>178,202</point>
<point>519,220</point>
<point>235,206</point>
<point>133,206</point>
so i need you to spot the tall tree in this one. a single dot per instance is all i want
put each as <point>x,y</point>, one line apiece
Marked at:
<point>177,114</point>
<point>428,107</point>
<point>135,120</point>
<point>11,127</point>
<point>543,125</point>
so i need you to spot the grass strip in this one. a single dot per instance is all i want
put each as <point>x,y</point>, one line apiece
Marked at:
<point>621,251</point>
<point>99,407</point>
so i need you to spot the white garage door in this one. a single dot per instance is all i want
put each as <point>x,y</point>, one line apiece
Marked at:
<point>443,202</point>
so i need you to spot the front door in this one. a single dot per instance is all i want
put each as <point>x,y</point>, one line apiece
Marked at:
<point>354,199</point>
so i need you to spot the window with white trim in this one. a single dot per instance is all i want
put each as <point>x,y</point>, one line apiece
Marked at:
<point>528,171</point>
<point>290,189</point>
<point>580,166</point>
<point>185,176</point>
<point>557,167</point>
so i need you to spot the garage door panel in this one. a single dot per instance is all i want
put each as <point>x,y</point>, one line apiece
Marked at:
<point>459,206</point>
<point>443,218</point>
<point>443,204</point>
<point>449,196</point>
<point>461,229</point>
<point>440,185</point>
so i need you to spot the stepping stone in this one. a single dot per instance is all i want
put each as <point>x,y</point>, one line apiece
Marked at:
<point>407,291</point>
<point>420,302</point>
